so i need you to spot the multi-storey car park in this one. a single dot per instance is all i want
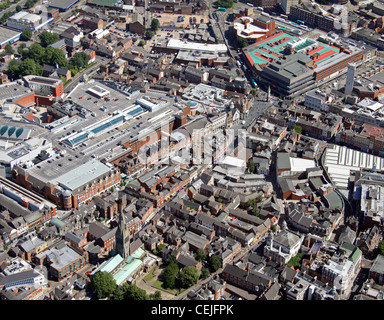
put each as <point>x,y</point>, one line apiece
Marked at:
<point>291,65</point>
<point>274,48</point>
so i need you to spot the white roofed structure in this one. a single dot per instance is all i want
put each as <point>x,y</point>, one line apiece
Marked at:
<point>194,46</point>
<point>341,161</point>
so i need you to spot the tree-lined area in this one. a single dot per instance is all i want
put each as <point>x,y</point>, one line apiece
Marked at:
<point>224,3</point>
<point>104,286</point>
<point>34,57</point>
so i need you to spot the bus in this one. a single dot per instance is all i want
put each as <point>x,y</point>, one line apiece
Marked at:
<point>253,82</point>
<point>283,16</point>
<point>294,23</point>
<point>222,9</point>
<point>300,21</point>
<point>281,28</point>
<point>250,4</point>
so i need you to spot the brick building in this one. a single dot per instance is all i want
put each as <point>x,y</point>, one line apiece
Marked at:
<point>47,90</point>
<point>73,186</point>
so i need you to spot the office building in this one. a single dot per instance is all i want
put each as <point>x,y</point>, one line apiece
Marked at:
<point>350,78</point>
<point>287,4</point>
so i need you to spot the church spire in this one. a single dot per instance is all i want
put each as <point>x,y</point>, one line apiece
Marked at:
<point>122,237</point>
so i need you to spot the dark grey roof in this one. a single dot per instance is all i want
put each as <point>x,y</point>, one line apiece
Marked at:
<point>288,274</point>
<point>186,261</point>
<point>286,185</point>
<point>98,229</point>
<point>13,207</point>
<point>272,292</point>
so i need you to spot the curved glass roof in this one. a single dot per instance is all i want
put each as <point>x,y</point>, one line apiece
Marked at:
<point>3,130</point>
<point>11,131</point>
<point>19,132</point>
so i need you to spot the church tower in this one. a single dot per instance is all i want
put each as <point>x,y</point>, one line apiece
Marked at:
<point>123,238</point>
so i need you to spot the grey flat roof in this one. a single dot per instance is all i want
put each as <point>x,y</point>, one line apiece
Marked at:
<point>62,4</point>
<point>12,90</point>
<point>82,174</point>
<point>62,257</point>
<point>7,33</point>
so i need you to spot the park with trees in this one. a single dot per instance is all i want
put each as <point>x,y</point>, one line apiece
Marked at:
<point>34,57</point>
<point>176,278</point>
<point>104,286</point>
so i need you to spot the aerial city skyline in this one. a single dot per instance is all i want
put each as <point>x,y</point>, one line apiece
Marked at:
<point>191,151</point>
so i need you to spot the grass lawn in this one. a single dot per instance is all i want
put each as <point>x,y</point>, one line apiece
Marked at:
<point>150,275</point>
<point>296,261</point>
<point>160,284</point>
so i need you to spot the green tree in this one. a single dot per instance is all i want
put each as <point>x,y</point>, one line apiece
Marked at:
<point>14,69</point>
<point>8,49</point>
<point>21,49</point>
<point>29,66</point>
<point>296,261</point>
<point>141,43</point>
<point>155,24</point>
<point>251,166</point>
<point>214,263</point>
<point>255,212</point>
<point>171,259</point>
<point>133,292</point>
<point>149,34</point>
<point>252,202</point>
<point>380,248</point>
<point>298,129</point>
<point>118,294</point>
<point>18,8</point>
<point>29,4</point>
<point>188,277</point>
<point>204,273</point>
<point>224,3</point>
<point>273,228</point>
<point>26,35</point>
<point>6,15</point>
<point>170,274</point>
<point>5,5</point>
<point>55,56</point>
<point>158,249</point>
<point>103,284</point>
<point>36,52</point>
<point>200,255</point>
<point>155,296</point>
<point>74,71</point>
<point>253,92</point>
<point>47,38</point>
<point>79,60</point>
<point>242,43</point>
